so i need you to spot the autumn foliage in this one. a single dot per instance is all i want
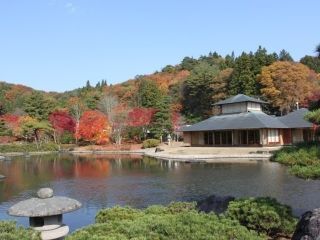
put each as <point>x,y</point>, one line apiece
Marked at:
<point>286,83</point>
<point>139,117</point>
<point>61,121</point>
<point>94,127</point>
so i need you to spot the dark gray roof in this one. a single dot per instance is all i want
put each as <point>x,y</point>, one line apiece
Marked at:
<point>247,120</point>
<point>239,98</point>
<point>296,119</point>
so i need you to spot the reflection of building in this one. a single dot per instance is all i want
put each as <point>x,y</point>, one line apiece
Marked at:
<point>242,122</point>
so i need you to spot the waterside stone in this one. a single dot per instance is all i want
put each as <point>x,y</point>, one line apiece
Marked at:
<point>308,228</point>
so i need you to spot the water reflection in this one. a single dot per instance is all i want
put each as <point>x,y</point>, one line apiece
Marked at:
<point>106,180</point>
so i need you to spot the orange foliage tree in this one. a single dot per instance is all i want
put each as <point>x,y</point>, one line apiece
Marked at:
<point>286,83</point>
<point>94,127</point>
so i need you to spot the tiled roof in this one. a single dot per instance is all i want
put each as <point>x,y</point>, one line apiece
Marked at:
<point>251,120</point>
<point>247,120</point>
<point>296,119</point>
<point>239,98</point>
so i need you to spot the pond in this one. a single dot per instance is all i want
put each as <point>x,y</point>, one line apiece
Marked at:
<point>100,181</point>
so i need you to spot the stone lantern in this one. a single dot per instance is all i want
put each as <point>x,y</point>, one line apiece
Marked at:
<point>45,213</point>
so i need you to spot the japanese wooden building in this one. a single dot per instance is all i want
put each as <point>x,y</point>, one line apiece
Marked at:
<point>242,122</point>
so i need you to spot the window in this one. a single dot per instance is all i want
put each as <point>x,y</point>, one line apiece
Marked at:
<point>273,136</point>
<point>217,138</point>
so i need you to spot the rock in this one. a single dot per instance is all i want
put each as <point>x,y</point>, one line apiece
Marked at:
<point>214,203</point>
<point>2,177</point>
<point>159,149</point>
<point>308,228</point>
<point>2,158</point>
<point>45,193</point>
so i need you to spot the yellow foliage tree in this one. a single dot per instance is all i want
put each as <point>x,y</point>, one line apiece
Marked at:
<point>286,83</point>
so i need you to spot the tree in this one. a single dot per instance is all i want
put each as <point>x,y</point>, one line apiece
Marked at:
<point>38,106</point>
<point>140,118</point>
<point>4,130</point>
<point>118,118</point>
<point>94,127</point>
<point>107,103</point>
<point>285,56</point>
<point>286,83</point>
<point>31,129</point>
<point>246,68</point>
<point>161,122</point>
<point>197,93</point>
<point>318,51</point>
<point>219,85</point>
<point>188,63</point>
<point>77,108</point>
<point>312,62</point>
<point>61,122</point>
<point>148,93</point>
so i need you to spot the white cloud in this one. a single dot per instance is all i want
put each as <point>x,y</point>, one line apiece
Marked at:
<point>70,7</point>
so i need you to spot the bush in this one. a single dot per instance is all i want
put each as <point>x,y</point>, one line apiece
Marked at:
<point>264,215</point>
<point>150,143</point>
<point>28,147</point>
<point>9,231</point>
<point>303,159</point>
<point>67,138</point>
<point>178,221</point>
<point>117,213</point>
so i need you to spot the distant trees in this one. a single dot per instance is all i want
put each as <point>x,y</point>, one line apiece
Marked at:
<point>156,104</point>
<point>148,93</point>
<point>197,92</point>
<point>38,106</point>
<point>286,83</point>
<point>245,71</point>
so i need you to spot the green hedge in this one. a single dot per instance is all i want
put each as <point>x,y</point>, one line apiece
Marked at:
<point>150,143</point>
<point>178,221</point>
<point>303,159</point>
<point>9,231</point>
<point>28,147</point>
<point>264,215</point>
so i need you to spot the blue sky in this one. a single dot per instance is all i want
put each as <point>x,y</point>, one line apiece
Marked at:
<point>59,44</point>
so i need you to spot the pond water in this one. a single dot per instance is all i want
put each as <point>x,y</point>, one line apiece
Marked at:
<point>100,181</point>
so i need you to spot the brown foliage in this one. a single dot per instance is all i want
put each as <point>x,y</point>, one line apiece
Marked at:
<point>286,83</point>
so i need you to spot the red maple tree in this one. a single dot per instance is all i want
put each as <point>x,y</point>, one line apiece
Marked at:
<point>61,121</point>
<point>94,127</point>
<point>140,117</point>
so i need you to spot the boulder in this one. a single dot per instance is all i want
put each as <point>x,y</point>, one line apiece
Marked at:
<point>2,177</point>
<point>308,228</point>
<point>2,158</point>
<point>213,203</point>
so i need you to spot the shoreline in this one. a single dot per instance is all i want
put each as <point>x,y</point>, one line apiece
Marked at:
<point>164,155</point>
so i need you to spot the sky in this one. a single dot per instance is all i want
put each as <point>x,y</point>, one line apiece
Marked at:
<point>57,45</point>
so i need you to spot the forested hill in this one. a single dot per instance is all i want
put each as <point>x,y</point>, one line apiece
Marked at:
<point>188,88</point>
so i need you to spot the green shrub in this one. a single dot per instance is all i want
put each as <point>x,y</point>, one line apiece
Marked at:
<point>9,231</point>
<point>67,138</point>
<point>178,221</point>
<point>264,215</point>
<point>117,213</point>
<point>28,147</point>
<point>150,143</point>
<point>303,159</point>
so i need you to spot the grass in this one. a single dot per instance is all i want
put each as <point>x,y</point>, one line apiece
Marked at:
<point>28,147</point>
<point>303,159</point>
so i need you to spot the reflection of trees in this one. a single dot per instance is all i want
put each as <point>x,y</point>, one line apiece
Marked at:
<point>29,173</point>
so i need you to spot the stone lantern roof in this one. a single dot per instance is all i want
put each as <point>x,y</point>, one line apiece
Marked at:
<point>44,205</point>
